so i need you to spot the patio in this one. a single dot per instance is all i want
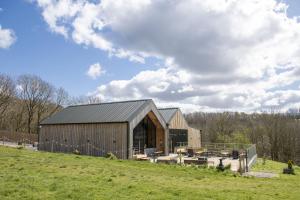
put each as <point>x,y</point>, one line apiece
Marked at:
<point>240,157</point>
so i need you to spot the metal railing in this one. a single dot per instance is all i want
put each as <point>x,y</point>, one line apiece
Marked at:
<point>251,156</point>
<point>225,146</point>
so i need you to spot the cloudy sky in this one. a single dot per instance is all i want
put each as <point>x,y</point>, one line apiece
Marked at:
<point>200,55</point>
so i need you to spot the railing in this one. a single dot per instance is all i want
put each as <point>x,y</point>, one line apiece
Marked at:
<point>225,146</point>
<point>251,156</point>
<point>248,150</point>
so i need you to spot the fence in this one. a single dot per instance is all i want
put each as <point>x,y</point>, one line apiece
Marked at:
<point>10,136</point>
<point>248,150</point>
<point>225,146</point>
<point>251,156</point>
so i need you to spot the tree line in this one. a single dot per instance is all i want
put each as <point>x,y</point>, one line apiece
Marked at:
<point>276,135</point>
<point>27,100</point>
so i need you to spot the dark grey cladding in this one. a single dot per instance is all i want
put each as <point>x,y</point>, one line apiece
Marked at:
<point>98,113</point>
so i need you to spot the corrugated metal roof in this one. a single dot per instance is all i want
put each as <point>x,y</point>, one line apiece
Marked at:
<point>97,113</point>
<point>168,113</point>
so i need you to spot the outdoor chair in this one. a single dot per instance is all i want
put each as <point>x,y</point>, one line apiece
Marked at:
<point>141,157</point>
<point>235,154</point>
<point>200,151</point>
<point>181,150</point>
<point>150,152</point>
<point>190,152</point>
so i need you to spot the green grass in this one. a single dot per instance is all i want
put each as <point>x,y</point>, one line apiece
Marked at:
<point>39,175</point>
<point>269,166</point>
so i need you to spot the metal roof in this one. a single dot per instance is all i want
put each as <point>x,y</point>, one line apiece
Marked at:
<point>98,113</point>
<point>168,113</point>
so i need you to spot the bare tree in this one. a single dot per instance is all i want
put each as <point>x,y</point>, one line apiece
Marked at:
<point>43,101</point>
<point>35,94</point>
<point>93,99</point>
<point>84,100</point>
<point>61,98</point>
<point>7,91</point>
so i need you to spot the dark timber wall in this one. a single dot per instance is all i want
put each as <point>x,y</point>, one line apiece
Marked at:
<point>89,139</point>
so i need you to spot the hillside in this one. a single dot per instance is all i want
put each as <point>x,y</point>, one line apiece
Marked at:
<point>26,174</point>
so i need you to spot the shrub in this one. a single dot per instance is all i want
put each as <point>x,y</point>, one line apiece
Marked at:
<point>289,169</point>
<point>76,151</point>
<point>111,156</point>
<point>290,164</point>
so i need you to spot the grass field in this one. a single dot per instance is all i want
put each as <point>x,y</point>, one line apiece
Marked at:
<point>26,174</point>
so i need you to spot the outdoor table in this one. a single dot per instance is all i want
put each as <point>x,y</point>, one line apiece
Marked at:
<point>158,153</point>
<point>225,153</point>
<point>202,158</point>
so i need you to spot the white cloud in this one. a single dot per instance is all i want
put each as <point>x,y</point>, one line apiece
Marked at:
<point>219,54</point>
<point>95,71</point>
<point>7,38</point>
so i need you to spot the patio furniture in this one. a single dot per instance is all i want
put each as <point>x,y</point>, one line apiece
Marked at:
<point>190,161</point>
<point>150,152</point>
<point>202,158</point>
<point>158,153</point>
<point>141,157</point>
<point>144,159</point>
<point>235,154</point>
<point>190,152</point>
<point>167,160</point>
<point>224,153</point>
<point>181,150</point>
<point>221,167</point>
<point>200,151</point>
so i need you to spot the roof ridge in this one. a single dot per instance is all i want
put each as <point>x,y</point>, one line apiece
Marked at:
<point>139,109</point>
<point>110,102</point>
<point>171,108</point>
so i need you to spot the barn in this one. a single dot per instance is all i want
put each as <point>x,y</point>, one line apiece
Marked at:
<point>123,128</point>
<point>96,129</point>
<point>180,133</point>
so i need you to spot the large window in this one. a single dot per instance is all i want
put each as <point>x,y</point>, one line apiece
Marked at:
<point>177,137</point>
<point>144,135</point>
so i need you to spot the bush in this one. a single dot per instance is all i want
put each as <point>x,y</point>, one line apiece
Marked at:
<point>289,169</point>
<point>290,164</point>
<point>111,156</point>
<point>76,151</point>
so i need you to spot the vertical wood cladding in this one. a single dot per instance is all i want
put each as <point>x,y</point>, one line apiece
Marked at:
<point>89,139</point>
<point>194,138</point>
<point>178,122</point>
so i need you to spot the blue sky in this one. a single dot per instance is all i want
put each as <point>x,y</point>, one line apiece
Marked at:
<point>191,58</point>
<point>55,59</point>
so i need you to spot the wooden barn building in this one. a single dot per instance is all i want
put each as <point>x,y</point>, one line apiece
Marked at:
<point>180,134</point>
<point>122,128</point>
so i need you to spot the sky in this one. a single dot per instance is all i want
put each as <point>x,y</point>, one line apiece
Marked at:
<point>199,55</point>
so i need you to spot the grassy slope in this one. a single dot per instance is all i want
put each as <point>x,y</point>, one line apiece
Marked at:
<point>38,175</point>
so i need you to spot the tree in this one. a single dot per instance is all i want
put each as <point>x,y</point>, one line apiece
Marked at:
<point>7,91</point>
<point>84,100</point>
<point>35,94</point>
